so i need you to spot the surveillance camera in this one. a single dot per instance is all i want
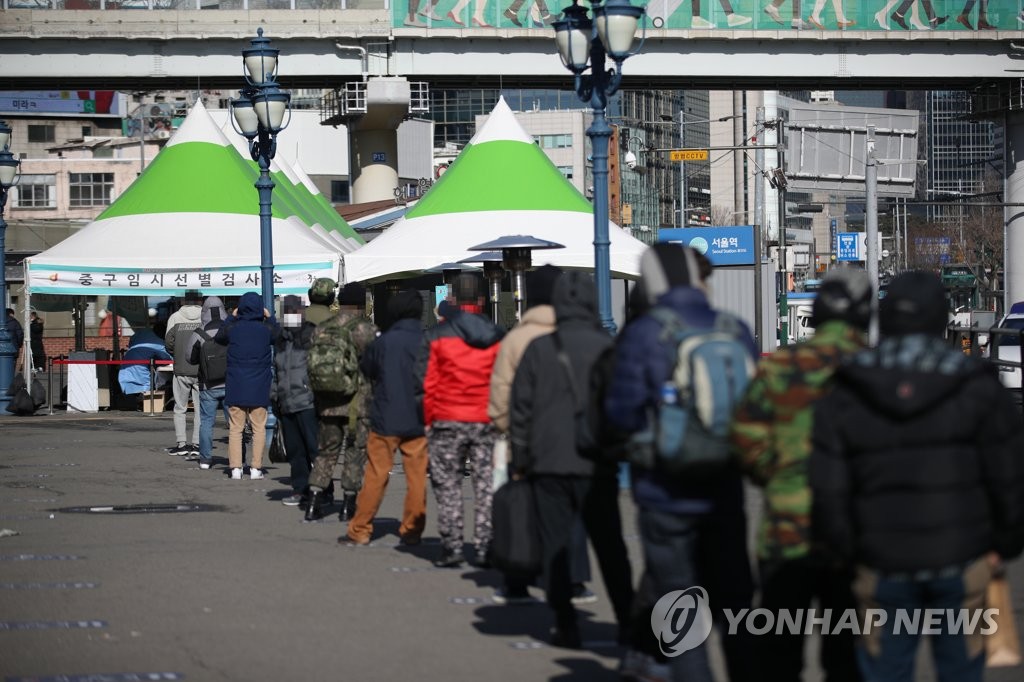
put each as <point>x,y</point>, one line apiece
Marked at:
<point>630,160</point>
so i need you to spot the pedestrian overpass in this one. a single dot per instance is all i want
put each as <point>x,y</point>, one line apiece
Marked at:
<point>196,44</point>
<point>123,44</point>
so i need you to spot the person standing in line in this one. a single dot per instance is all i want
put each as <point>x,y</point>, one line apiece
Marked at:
<point>248,334</point>
<point>186,375</point>
<point>292,398</point>
<point>453,386</point>
<point>917,481</point>
<point>342,417</point>
<point>35,331</point>
<point>395,423</point>
<point>212,375</point>
<point>692,532</point>
<point>771,436</point>
<point>553,373</point>
<point>16,331</point>
<point>538,319</point>
<point>321,299</point>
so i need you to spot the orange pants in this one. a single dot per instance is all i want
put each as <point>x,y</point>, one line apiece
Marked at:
<point>379,457</point>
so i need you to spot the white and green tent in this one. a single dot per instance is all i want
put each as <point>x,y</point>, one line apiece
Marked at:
<point>191,221</point>
<point>501,184</point>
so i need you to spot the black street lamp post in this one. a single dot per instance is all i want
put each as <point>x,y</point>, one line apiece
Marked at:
<point>258,114</point>
<point>584,44</point>
<point>8,351</point>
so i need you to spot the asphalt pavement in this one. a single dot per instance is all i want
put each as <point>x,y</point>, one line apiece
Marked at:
<point>131,564</point>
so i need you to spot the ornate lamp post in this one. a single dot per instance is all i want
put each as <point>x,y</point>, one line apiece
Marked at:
<point>8,178</point>
<point>584,44</point>
<point>258,114</point>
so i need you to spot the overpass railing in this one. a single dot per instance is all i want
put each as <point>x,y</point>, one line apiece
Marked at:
<point>233,5</point>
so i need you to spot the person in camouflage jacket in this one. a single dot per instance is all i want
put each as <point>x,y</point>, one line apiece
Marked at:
<point>343,423</point>
<point>771,435</point>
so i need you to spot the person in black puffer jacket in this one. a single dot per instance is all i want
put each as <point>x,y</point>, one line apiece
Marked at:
<point>292,398</point>
<point>917,479</point>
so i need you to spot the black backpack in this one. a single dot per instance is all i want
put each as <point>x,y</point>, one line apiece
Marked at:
<point>213,360</point>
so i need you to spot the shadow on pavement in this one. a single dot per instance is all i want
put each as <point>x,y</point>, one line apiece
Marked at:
<point>584,669</point>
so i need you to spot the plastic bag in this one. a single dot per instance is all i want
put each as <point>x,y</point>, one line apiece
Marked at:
<point>278,453</point>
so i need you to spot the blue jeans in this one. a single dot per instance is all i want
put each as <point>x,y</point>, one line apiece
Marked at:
<point>209,399</point>
<point>886,655</point>
<point>709,550</point>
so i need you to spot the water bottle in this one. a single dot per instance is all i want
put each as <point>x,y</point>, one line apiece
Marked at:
<point>669,396</point>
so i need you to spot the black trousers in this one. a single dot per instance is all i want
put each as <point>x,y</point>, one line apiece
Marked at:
<point>793,584</point>
<point>560,501</point>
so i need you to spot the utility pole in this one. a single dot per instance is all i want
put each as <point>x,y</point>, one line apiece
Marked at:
<point>871,227</point>
<point>780,184</point>
<point>759,224</point>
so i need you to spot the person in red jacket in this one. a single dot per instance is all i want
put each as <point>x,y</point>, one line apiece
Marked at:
<point>454,382</point>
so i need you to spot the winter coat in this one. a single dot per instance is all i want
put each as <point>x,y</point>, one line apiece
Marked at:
<point>362,334</point>
<point>290,390</point>
<point>917,459</point>
<point>390,363</point>
<point>536,321</point>
<point>135,378</point>
<point>16,331</point>
<point>248,338</point>
<point>211,319</point>
<point>453,369</point>
<point>542,405</point>
<point>179,332</point>
<point>771,432</point>
<point>643,363</point>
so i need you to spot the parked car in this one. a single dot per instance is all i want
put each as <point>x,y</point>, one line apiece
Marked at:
<point>1007,346</point>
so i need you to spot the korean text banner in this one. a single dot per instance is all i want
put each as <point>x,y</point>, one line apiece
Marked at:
<point>85,281</point>
<point>722,245</point>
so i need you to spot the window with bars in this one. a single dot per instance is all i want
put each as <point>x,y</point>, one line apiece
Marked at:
<point>90,189</point>
<point>36,191</point>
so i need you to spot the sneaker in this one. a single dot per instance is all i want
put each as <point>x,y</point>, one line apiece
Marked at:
<point>566,637</point>
<point>738,20</point>
<point>700,22</point>
<point>292,500</point>
<point>800,25</point>
<point>193,449</point>
<point>449,560</point>
<point>581,595</point>
<point>236,474</point>
<point>179,450</point>
<point>502,597</point>
<point>255,474</point>
<point>773,12</point>
<point>205,464</point>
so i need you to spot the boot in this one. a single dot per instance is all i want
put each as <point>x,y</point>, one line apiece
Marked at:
<point>315,510</point>
<point>348,508</point>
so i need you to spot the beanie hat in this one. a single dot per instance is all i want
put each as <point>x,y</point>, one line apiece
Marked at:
<point>352,293</point>
<point>407,304</point>
<point>845,295</point>
<point>664,266</point>
<point>322,291</point>
<point>540,283</point>
<point>193,296</point>
<point>915,304</point>
<point>466,288</point>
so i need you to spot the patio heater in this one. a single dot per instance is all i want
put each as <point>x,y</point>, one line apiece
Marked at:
<point>494,273</point>
<point>517,256</point>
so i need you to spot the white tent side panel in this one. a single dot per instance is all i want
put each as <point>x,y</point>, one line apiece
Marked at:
<point>416,244</point>
<point>164,254</point>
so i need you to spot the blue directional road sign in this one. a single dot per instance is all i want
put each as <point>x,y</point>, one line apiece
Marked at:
<point>849,246</point>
